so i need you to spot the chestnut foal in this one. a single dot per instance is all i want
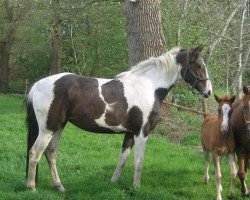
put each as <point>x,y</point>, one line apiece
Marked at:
<point>217,138</point>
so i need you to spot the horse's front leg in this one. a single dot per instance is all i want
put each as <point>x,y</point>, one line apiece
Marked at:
<point>140,143</point>
<point>216,159</point>
<point>206,159</point>
<point>233,174</point>
<point>127,145</point>
<point>242,174</point>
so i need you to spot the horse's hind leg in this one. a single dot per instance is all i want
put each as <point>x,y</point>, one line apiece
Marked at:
<point>127,145</point>
<point>206,159</point>
<point>35,154</point>
<point>140,143</point>
<point>233,173</point>
<point>51,154</point>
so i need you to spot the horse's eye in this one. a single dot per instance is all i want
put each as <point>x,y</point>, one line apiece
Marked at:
<point>219,110</point>
<point>198,66</point>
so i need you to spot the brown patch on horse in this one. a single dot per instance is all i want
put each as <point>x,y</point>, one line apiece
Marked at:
<point>239,123</point>
<point>133,121</point>
<point>113,93</point>
<point>76,100</point>
<point>154,116</point>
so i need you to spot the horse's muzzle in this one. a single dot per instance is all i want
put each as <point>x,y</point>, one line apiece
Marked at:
<point>207,94</point>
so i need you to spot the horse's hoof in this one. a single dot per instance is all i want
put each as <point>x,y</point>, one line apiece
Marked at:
<point>114,179</point>
<point>60,188</point>
<point>32,188</point>
<point>137,185</point>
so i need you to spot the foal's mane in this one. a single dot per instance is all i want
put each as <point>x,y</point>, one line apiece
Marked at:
<point>165,60</point>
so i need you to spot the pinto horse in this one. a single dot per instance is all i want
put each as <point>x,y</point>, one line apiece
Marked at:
<point>240,122</point>
<point>129,103</point>
<point>217,138</point>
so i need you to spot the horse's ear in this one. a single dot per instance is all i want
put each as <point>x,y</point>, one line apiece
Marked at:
<point>218,99</point>
<point>196,51</point>
<point>233,98</point>
<point>245,90</point>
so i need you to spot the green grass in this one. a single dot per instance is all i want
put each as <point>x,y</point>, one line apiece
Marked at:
<point>87,161</point>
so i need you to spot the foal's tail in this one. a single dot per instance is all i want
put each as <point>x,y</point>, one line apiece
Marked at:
<point>32,127</point>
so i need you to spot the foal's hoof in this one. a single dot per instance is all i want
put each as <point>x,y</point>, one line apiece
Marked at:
<point>230,196</point>
<point>206,181</point>
<point>246,194</point>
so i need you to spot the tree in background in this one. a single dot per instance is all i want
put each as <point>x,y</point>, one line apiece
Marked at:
<point>144,30</point>
<point>15,14</point>
<point>56,43</point>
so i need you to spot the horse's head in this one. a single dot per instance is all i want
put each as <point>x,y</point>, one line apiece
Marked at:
<point>194,70</point>
<point>246,104</point>
<point>224,111</point>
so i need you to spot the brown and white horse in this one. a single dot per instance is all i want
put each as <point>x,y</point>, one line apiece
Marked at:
<point>128,104</point>
<point>217,138</point>
<point>240,122</point>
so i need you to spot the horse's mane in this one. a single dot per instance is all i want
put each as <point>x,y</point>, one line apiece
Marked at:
<point>166,59</point>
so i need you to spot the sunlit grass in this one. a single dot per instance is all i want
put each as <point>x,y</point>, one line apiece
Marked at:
<point>86,162</point>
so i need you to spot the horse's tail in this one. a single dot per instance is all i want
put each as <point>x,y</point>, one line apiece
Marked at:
<point>32,127</point>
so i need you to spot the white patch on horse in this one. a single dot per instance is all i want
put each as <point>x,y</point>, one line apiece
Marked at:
<point>42,88</point>
<point>108,107</point>
<point>208,82</point>
<point>146,77</point>
<point>225,123</point>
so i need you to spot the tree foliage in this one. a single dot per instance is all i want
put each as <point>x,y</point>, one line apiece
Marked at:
<point>94,37</point>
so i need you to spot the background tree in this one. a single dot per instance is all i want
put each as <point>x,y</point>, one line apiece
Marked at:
<point>144,30</point>
<point>15,14</point>
<point>56,43</point>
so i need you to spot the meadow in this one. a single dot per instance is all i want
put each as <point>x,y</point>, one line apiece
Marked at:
<point>86,162</point>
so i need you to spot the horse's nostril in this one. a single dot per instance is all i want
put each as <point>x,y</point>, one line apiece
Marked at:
<point>205,95</point>
<point>209,92</point>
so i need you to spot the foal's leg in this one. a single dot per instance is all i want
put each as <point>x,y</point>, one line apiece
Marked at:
<point>206,159</point>
<point>127,145</point>
<point>242,174</point>
<point>51,154</point>
<point>140,143</point>
<point>216,160</point>
<point>233,173</point>
<point>35,154</point>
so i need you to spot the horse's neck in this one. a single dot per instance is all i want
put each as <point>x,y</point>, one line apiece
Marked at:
<point>162,77</point>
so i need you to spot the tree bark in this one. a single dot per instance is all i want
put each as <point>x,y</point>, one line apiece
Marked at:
<point>4,67</point>
<point>7,41</point>
<point>238,88</point>
<point>56,47</point>
<point>144,29</point>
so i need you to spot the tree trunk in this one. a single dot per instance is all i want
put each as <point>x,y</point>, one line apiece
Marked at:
<point>144,28</point>
<point>4,67</point>
<point>238,88</point>
<point>56,47</point>
<point>13,21</point>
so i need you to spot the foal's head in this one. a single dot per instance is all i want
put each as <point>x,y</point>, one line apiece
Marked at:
<point>224,111</point>
<point>194,70</point>
<point>246,104</point>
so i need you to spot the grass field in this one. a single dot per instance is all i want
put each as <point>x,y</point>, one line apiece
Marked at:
<point>86,162</point>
